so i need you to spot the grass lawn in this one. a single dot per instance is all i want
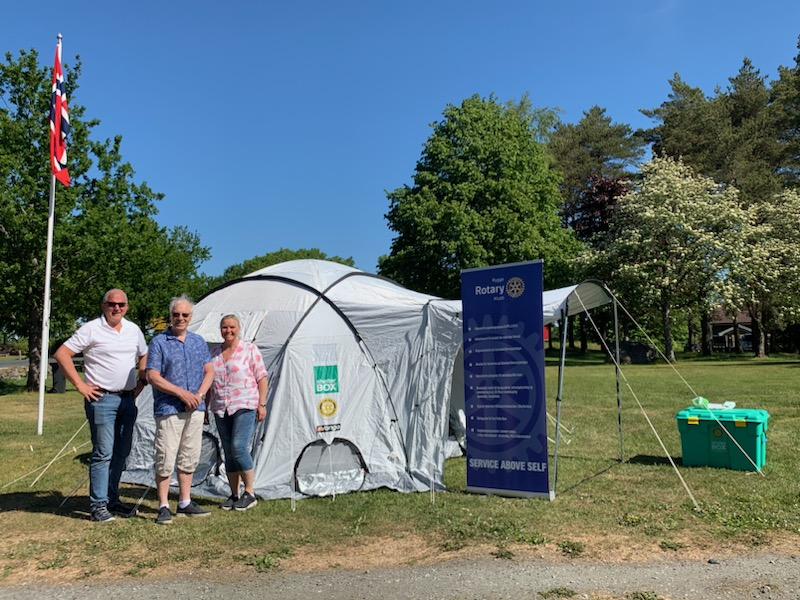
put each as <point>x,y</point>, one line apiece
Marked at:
<point>630,510</point>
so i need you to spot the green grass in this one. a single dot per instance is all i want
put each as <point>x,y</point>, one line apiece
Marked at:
<point>639,502</point>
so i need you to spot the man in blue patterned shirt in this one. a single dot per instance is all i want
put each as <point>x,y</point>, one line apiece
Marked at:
<point>179,369</point>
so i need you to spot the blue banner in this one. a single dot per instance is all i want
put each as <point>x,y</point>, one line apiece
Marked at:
<point>504,395</point>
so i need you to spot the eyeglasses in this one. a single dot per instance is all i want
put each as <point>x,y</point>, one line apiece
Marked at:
<point>117,304</point>
<point>175,315</point>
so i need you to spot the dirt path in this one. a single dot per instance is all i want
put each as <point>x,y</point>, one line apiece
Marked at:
<point>763,575</point>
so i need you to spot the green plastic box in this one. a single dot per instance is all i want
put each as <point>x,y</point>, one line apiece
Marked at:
<point>705,443</point>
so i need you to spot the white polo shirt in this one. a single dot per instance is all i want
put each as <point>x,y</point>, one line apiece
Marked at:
<point>110,357</point>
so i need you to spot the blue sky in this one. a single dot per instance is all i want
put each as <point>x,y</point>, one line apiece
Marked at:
<point>282,124</point>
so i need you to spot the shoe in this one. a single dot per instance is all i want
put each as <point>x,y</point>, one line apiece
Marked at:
<point>164,516</point>
<point>122,509</point>
<point>101,514</point>
<point>191,510</point>
<point>229,503</point>
<point>246,501</point>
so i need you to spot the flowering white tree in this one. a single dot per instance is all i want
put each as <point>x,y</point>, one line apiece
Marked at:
<point>766,272</point>
<point>671,242</point>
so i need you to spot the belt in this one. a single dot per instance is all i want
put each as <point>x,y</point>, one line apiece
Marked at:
<point>117,392</point>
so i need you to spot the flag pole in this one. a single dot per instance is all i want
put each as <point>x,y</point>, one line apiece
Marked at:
<point>59,128</point>
<point>44,361</point>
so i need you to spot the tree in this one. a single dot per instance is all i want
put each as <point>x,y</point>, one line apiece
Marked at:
<point>767,270</point>
<point>206,284</point>
<point>670,241</point>
<point>785,101</point>
<point>482,194</point>
<point>104,234</point>
<point>587,153</point>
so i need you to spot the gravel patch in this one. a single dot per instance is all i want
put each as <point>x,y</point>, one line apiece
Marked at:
<point>767,576</point>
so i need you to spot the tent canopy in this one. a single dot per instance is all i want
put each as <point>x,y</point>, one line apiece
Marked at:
<point>574,299</point>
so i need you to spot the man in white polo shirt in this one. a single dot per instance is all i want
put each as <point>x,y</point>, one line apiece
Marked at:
<point>113,349</point>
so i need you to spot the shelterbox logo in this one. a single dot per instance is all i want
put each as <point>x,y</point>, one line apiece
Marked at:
<point>326,379</point>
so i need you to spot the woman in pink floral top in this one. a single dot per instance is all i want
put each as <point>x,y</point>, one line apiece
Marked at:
<point>238,400</point>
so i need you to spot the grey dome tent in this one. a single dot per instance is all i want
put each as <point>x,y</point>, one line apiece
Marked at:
<point>360,375</point>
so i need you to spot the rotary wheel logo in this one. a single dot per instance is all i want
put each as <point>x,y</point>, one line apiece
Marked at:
<point>515,287</point>
<point>327,407</point>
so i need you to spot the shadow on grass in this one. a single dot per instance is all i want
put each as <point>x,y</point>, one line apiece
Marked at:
<point>54,502</point>
<point>639,459</point>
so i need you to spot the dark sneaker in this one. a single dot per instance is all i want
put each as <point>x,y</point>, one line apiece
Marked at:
<point>191,510</point>
<point>229,503</point>
<point>246,501</point>
<point>164,516</point>
<point>101,515</point>
<point>122,509</point>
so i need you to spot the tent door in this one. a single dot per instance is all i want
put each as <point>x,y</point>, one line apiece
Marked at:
<point>327,469</point>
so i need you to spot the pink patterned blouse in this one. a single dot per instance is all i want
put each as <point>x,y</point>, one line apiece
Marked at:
<point>236,380</point>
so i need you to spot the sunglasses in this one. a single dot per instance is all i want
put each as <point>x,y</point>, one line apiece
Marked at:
<point>117,304</point>
<point>175,315</point>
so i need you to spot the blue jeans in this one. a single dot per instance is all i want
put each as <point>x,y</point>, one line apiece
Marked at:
<point>235,432</point>
<point>111,421</point>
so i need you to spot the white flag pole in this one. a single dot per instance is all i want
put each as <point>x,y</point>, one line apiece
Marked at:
<point>46,306</point>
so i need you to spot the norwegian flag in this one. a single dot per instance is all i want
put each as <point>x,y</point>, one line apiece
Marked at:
<point>59,122</point>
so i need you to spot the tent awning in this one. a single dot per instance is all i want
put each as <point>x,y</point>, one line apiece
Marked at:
<point>574,299</point>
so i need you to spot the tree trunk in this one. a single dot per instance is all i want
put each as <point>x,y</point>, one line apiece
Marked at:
<point>669,350</point>
<point>737,339</point>
<point>584,335</point>
<point>34,346</point>
<point>759,343</point>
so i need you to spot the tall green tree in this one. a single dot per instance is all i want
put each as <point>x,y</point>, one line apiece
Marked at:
<point>482,194</point>
<point>785,100</point>
<point>586,151</point>
<point>104,223</point>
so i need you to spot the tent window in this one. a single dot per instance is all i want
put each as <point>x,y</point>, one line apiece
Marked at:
<point>326,469</point>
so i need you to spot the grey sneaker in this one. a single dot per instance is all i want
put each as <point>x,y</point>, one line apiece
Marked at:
<point>229,503</point>
<point>164,516</point>
<point>246,501</point>
<point>121,509</point>
<point>191,510</point>
<point>100,514</point>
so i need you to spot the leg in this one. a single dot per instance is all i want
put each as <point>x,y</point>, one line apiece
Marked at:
<point>244,422</point>
<point>225,426</point>
<point>189,448</point>
<point>102,415</point>
<point>166,446</point>
<point>126,419</point>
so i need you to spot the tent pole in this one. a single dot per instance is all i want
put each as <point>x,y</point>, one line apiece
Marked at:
<point>619,395</point>
<point>563,351</point>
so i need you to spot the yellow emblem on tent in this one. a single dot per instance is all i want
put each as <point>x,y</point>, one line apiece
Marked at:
<point>327,407</point>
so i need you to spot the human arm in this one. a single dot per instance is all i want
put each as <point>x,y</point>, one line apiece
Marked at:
<point>64,357</point>
<point>190,400</point>
<point>261,411</point>
<point>141,378</point>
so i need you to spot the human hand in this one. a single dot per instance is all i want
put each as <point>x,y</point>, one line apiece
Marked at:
<point>90,392</point>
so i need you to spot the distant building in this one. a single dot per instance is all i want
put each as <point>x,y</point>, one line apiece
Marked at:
<point>723,328</point>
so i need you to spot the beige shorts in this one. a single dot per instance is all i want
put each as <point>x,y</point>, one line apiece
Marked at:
<point>178,438</point>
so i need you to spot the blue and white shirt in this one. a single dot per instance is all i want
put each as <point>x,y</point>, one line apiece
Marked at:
<point>179,362</point>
